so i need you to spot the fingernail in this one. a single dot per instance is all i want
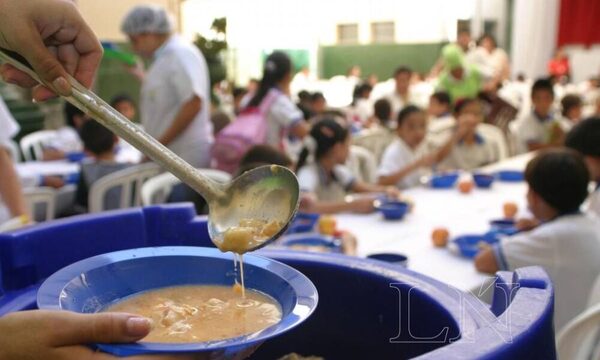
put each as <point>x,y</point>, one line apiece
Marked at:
<point>9,80</point>
<point>138,326</point>
<point>61,85</point>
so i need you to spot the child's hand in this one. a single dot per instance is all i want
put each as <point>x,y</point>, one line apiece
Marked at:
<point>362,205</point>
<point>427,160</point>
<point>55,182</point>
<point>392,192</point>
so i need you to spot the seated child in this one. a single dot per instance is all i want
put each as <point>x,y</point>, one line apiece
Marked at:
<point>326,178</point>
<point>566,244</point>
<point>541,128</point>
<point>125,105</point>
<point>99,144</point>
<point>440,113</point>
<point>472,149</point>
<point>67,138</point>
<point>572,110</point>
<point>585,138</point>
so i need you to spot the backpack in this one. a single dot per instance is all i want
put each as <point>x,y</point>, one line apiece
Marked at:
<point>247,130</point>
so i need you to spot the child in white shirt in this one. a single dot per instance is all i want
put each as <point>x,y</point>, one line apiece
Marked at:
<point>572,111</point>
<point>326,178</point>
<point>566,244</point>
<point>585,138</point>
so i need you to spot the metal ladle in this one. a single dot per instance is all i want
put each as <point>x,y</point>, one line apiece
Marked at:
<point>267,193</point>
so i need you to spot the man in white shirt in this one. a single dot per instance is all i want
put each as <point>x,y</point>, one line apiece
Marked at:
<point>402,94</point>
<point>566,244</point>
<point>12,203</point>
<point>175,98</point>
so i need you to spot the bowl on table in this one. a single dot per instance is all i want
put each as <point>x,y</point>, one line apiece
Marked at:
<point>392,258</point>
<point>312,242</point>
<point>444,181</point>
<point>510,175</point>
<point>483,181</point>
<point>303,222</point>
<point>504,226</point>
<point>94,284</point>
<point>469,245</point>
<point>392,210</point>
<point>75,156</point>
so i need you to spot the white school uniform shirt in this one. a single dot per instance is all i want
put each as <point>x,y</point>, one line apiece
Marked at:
<point>178,72</point>
<point>532,129</point>
<point>398,103</point>
<point>397,156</point>
<point>65,139</point>
<point>282,115</point>
<point>568,248</point>
<point>8,129</point>
<point>465,156</point>
<point>327,187</point>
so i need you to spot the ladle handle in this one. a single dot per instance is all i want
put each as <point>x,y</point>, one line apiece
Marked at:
<point>98,109</point>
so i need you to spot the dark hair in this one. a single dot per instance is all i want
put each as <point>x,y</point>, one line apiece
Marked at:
<point>542,85</point>
<point>462,103</point>
<point>260,155</point>
<point>487,36</point>
<point>121,98</point>
<point>326,133</point>
<point>402,70</point>
<point>70,113</point>
<point>239,91</point>
<point>442,97</point>
<point>560,177</point>
<point>406,112</point>
<point>96,138</point>
<point>277,66</point>
<point>359,90</point>
<point>383,110</point>
<point>304,95</point>
<point>585,137</point>
<point>317,96</point>
<point>570,101</point>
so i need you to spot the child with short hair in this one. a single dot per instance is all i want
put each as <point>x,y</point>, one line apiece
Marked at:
<point>440,112</point>
<point>541,128</point>
<point>327,178</point>
<point>585,139</point>
<point>125,105</point>
<point>572,110</point>
<point>99,144</point>
<point>566,244</point>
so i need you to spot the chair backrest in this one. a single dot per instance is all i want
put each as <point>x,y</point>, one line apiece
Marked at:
<point>32,145</point>
<point>40,196</point>
<point>374,140</point>
<point>362,163</point>
<point>578,340</point>
<point>496,135</point>
<point>156,190</point>
<point>128,180</point>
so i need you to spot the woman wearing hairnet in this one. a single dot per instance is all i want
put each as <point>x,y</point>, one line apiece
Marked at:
<point>175,99</point>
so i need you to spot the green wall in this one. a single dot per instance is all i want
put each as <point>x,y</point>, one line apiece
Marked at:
<point>378,59</point>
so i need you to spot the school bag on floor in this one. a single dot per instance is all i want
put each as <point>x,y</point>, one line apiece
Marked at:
<point>247,130</point>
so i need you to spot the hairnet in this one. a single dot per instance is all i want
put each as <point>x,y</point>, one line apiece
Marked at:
<point>152,19</point>
<point>452,56</point>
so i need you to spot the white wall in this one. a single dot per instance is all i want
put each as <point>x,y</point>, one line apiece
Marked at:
<point>585,62</point>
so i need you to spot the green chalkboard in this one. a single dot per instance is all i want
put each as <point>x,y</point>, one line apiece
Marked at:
<point>378,59</point>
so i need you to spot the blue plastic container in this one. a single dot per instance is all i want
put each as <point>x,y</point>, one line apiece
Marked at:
<point>504,226</point>
<point>396,259</point>
<point>444,181</point>
<point>303,222</point>
<point>93,284</point>
<point>469,245</point>
<point>483,181</point>
<point>363,310</point>
<point>392,210</point>
<point>323,242</point>
<point>510,175</point>
<point>75,156</point>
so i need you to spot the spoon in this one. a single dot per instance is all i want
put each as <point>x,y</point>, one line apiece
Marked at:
<point>268,193</point>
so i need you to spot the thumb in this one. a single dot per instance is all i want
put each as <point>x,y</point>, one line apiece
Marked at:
<point>46,65</point>
<point>102,328</point>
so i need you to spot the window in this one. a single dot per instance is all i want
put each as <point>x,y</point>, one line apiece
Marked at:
<point>383,32</point>
<point>347,33</point>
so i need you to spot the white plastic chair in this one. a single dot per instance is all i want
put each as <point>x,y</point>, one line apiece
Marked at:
<point>375,141</point>
<point>580,338</point>
<point>496,135</point>
<point>40,196</point>
<point>156,190</point>
<point>362,163</point>
<point>129,181</point>
<point>32,145</point>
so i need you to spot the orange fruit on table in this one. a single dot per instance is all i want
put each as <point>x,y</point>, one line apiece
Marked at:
<point>510,210</point>
<point>465,186</point>
<point>327,225</point>
<point>440,237</point>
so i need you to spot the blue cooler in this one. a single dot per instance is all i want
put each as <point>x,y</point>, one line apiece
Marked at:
<point>368,309</point>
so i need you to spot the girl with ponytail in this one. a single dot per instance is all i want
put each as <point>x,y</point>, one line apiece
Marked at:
<point>321,172</point>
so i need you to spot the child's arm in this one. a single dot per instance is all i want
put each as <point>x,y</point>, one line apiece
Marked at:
<point>363,205</point>
<point>362,187</point>
<point>393,179</point>
<point>485,261</point>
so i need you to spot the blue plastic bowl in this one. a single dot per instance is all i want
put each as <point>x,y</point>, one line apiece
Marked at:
<point>75,156</point>
<point>93,284</point>
<point>483,181</point>
<point>510,175</point>
<point>328,243</point>
<point>444,181</point>
<point>303,222</point>
<point>393,210</point>
<point>504,226</point>
<point>396,259</point>
<point>468,245</point>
